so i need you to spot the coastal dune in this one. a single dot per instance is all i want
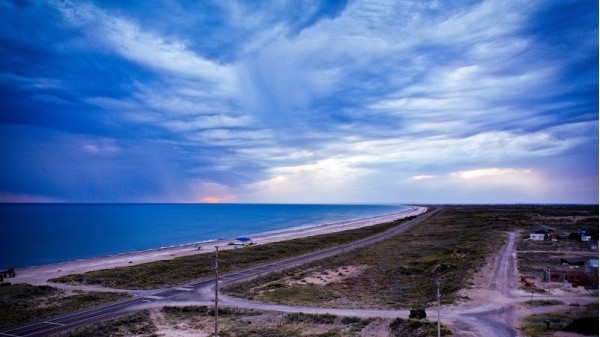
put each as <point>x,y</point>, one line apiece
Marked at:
<point>39,275</point>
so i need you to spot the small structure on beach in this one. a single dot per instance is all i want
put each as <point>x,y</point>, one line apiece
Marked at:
<point>242,241</point>
<point>8,273</point>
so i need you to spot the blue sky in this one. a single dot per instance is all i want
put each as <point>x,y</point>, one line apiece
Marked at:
<point>490,101</point>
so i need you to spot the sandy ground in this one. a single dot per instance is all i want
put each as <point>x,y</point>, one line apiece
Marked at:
<point>39,275</point>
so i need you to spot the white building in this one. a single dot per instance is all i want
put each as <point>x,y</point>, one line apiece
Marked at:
<point>536,236</point>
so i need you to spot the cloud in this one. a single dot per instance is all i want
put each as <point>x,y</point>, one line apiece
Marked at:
<point>147,48</point>
<point>423,176</point>
<point>523,182</point>
<point>315,182</point>
<point>486,173</point>
<point>207,122</point>
<point>365,100</point>
<point>101,146</point>
<point>26,198</point>
<point>208,192</point>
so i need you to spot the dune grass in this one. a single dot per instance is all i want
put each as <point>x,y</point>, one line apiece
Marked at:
<point>137,324</point>
<point>21,303</point>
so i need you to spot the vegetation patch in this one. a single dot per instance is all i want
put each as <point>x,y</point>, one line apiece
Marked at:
<point>244,322</point>
<point>416,328</point>
<point>22,303</point>
<point>309,318</point>
<point>583,320</point>
<point>138,324</point>
<point>543,303</point>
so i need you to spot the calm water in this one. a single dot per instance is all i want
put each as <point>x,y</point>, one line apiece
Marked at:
<point>34,234</point>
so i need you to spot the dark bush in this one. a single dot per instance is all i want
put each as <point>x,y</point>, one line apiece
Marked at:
<point>584,325</point>
<point>350,320</point>
<point>417,314</point>
<point>310,318</point>
<point>189,309</point>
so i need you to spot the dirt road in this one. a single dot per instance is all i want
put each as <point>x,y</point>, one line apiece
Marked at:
<point>492,313</point>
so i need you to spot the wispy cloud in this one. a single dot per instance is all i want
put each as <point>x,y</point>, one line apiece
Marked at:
<point>270,101</point>
<point>147,48</point>
<point>487,173</point>
<point>26,198</point>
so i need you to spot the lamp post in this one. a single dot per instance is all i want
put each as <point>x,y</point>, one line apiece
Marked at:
<point>216,291</point>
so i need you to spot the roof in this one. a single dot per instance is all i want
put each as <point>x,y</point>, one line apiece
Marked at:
<point>593,262</point>
<point>243,239</point>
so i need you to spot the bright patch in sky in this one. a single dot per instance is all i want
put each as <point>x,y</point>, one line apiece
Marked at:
<point>490,172</point>
<point>419,101</point>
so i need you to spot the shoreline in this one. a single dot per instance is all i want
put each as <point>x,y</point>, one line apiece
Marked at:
<point>40,274</point>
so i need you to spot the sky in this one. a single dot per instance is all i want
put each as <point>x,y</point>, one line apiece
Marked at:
<point>422,101</point>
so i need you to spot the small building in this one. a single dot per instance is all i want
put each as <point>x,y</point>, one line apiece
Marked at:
<point>593,245</point>
<point>591,266</point>
<point>586,238</point>
<point>572,262</point>
<point>242,241</point>
<point>575,278</point>
<point>537,236</point>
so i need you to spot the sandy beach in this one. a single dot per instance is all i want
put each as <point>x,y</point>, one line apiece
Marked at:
<point>39,275</point>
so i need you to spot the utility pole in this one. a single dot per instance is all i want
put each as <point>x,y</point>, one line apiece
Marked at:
<point>216,291</point>
<point>438,297</point>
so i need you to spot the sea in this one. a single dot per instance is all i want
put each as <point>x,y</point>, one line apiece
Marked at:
<point>37,234</point>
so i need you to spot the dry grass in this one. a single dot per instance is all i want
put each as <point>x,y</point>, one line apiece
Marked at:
<point>198,321</point>
<point>21,303</point>
<point>582,319</point>
<point>138,324</point>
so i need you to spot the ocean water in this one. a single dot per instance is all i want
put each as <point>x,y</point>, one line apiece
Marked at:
<point>35,234</point>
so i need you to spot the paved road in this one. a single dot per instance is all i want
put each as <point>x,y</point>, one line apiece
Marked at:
<point>197,291</point>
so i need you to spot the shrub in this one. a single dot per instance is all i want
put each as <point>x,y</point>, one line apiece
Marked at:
<point>584,325</point>
<point>310,318</point>
<point>417,313</point>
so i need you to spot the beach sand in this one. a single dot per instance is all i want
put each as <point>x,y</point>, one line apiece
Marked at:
<point>39,275</point>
